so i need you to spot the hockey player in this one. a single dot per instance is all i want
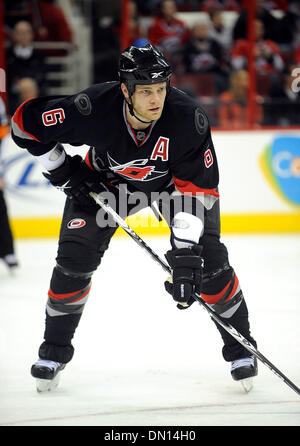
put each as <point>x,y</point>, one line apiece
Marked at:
<point>7,251</point>
<point>144,136</point>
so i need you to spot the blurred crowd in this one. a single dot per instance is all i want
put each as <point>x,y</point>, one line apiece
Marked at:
<point>28,22</point>
<point>209,58</point>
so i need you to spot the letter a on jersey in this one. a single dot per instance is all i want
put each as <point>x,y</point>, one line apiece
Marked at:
<point>161,149</point>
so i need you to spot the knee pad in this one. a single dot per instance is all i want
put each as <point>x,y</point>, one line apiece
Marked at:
<point>78,257</point>
<point>221,287</point>
<point>68,292</point>
<point>222,292</point>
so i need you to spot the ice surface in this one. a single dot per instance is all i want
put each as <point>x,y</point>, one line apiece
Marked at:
<point>141,362</point>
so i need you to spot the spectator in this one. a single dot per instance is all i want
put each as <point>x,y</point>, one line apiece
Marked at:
<point>52,25</point>
<point>288,35</point>
<point>288,30</point>
<point>267,56</point>
<point>169,33</point>
<point>202,54</point>
<point>218,31</point>
<point>27,89</point>
<point>134,28</point>
<point>48,20</point>
<point>233,103</point>
<point>263,14</point>
<point>23,61</point>
<point>283,107</point>
<point>107,41</point>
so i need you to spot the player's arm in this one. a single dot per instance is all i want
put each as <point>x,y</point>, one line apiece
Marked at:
<point>41,126</point>
<point>195,175</point>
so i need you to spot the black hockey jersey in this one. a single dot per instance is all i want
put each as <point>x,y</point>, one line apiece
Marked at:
<point>178,147</point>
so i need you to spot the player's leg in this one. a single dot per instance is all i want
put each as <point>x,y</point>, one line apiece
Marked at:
<point>222,290</point>
<point>220,287</point>
<point>82,244</point>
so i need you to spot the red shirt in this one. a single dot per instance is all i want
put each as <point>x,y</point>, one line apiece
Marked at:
<point>170,35</point>
<point>54,19</point>
<point>269,60</point>
<point>232,114</point>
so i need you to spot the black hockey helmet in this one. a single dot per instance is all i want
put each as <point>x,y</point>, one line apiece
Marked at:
<point>142,66</point>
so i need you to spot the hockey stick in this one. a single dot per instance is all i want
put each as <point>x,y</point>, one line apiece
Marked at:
<point>231,330</point>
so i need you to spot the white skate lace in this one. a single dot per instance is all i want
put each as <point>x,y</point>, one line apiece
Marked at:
<point>243,362</point>
<point>47,363</point>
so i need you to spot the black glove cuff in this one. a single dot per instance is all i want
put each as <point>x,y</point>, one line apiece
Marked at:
<point>185,257</point>
<point>62,173</point>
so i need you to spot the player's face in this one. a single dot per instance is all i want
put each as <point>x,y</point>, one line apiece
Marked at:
<point>148,101</point>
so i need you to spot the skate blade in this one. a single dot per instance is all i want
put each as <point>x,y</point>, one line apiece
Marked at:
<point>47,385</point>
<point>247,384</point>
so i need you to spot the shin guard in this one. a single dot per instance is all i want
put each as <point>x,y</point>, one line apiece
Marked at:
<point>67,297</point>
<point>223,292</point>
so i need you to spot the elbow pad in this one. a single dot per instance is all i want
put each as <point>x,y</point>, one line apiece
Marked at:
<point>186,230</point>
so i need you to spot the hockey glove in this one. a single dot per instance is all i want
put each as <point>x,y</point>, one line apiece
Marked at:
<point>187,271</point>
<point>76,180</point>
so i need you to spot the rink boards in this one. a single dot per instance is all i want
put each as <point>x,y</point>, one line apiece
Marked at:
<point>259,186</point>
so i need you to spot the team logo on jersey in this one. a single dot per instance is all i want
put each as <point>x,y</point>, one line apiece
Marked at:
<point>76,223</point>
<point>208,158</point>
<point>136,170</point>
<point>52,117</point>
<point>140,135</point>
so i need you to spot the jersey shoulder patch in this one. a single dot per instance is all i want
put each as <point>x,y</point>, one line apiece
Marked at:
<point>201,121</point>
<point>83,104</point>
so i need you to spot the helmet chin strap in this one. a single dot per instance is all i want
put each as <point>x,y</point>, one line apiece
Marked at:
<point>131,110</point>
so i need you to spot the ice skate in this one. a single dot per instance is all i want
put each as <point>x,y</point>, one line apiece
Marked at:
<point>11,262</point>
<point>47,374</point>
<point>243,370</point>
